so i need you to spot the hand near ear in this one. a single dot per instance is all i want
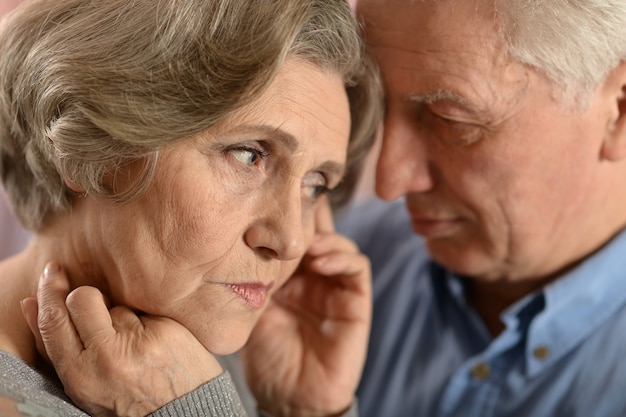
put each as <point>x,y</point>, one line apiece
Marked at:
<point>113,362</point>
<point>305,356</point>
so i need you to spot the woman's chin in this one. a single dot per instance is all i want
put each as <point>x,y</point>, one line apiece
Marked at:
<point>227,342</point>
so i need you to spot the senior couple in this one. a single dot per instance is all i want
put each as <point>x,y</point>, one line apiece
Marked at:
<point>173,161</point>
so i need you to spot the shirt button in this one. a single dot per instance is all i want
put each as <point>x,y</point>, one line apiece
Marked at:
<point>480,371</point>
<point>541,352</point>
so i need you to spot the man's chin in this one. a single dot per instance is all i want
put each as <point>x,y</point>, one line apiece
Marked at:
<point>465,262</point>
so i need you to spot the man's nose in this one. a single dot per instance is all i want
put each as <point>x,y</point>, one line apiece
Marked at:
<point>403,163</point>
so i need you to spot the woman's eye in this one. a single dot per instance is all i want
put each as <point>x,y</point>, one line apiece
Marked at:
<point>247,156</point>
<point>315,186</point>
<point>317,191</point>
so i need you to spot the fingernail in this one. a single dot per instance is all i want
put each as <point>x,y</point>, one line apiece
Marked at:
<point>51,268</point>
<point>24,306</point>
<point>29,314</point>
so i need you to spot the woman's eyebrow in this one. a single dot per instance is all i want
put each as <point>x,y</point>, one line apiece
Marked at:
<point>287,139</point>
<point>291,144</point>
<point>333,168</point>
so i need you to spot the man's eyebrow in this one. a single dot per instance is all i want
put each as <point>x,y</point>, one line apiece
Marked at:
<point>451,97</point>
<point>439,95</point>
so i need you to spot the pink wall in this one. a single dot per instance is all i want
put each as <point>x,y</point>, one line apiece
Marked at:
<point>12,237</point>
<point>6,5</point>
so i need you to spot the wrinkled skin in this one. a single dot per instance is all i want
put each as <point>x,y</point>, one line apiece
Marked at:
<point>507,184</point>
<point>189,274</point>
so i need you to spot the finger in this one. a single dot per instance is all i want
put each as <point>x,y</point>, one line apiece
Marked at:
<point>324,217</point>
<point>89,314</point>
<point>58,334</point>
<point>341,264</point>
<point>126,320</point>
<point>333,242</point>
<point>30,310</point>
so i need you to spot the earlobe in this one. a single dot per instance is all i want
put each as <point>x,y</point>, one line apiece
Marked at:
<point>72,185</point>
<point>614,145</point>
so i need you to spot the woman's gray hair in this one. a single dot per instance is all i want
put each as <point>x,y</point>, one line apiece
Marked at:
<point>90,87</point>
<point>575,43</point>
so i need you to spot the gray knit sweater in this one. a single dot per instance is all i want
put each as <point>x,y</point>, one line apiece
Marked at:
<point>37,396</point>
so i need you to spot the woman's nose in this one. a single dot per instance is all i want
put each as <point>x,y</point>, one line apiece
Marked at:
<point>278,230</point>
<point>403,165</point>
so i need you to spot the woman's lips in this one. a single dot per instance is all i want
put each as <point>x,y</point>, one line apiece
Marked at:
<point>253,294</point>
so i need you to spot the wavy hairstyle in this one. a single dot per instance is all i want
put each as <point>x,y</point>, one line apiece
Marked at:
<point>88,87</point>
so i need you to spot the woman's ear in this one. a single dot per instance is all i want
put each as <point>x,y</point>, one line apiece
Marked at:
<point>72,185</point>
<point>614,145</point>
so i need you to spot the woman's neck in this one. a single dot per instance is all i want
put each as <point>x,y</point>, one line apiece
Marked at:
<point>18,277</point>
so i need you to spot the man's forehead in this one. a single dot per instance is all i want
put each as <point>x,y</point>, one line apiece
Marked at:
<point>387,8</point>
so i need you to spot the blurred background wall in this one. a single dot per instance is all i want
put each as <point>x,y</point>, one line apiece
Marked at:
<point>13,237</point>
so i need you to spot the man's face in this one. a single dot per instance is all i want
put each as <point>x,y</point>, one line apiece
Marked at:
<point>500,179</point>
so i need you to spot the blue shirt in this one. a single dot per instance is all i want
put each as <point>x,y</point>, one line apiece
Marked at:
<point>562,354</point>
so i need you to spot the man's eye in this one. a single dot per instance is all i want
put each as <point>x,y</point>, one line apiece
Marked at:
<point>452,130</point>
<point>445,120</point>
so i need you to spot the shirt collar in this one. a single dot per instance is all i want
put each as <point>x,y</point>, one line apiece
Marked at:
<point>568,309</point>
<point>577,303</point>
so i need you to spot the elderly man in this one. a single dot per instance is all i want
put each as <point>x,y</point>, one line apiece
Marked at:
<point>505,142</point>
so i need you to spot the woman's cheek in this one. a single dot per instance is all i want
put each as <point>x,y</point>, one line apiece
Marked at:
<point>286,271</point>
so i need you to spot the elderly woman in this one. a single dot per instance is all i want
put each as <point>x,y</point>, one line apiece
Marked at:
<point>172,158</point>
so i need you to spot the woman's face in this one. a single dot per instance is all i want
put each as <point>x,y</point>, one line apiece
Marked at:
<point>230,213</point>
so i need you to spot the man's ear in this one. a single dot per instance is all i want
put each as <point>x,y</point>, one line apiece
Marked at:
<point>614,145</point>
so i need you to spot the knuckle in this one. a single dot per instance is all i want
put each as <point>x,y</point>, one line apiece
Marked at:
<point>50,319</point>
<point>351,245</point>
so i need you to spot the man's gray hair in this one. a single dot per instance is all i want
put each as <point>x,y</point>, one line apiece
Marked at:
<point>576,43</point>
